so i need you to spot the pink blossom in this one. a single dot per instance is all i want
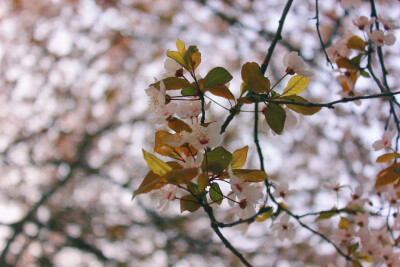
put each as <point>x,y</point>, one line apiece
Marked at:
<point>173,69</point>
<point>363,23</point>
<point>243,190</point>
<point>386,140</point>
<point>351,94</point>
<point>346,4</point>
<point>284,229</point>
<point>388,24</point>
<point>202,137</point>
<point>295,64</point>
<point>165,196</point>
<point>380,38</point>
<point>282,190</point>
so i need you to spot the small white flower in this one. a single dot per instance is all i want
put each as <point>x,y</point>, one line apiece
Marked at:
<point>346,4</point>
<point>242,190</point>
<point>157,105</point>
<point>165,196</point>
<point>295,64</point>
<point>390,196</point>
<point>333,185</point>
<point>363,23</point>
<point>351,94</point>
<point>388,24</point>
<point>386,140</point>
<point>373,250</point>
<point>202,137</point>
<point>380,38</point>
<point>342,236</point>
<point>284,228</point>
<point>190,109</point>
<point>173,69</point>
<point>282,190</point>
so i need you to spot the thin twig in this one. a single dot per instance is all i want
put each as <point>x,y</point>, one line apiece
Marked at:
<point>319,33</point>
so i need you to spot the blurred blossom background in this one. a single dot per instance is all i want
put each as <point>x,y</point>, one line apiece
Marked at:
<point>73,123</point>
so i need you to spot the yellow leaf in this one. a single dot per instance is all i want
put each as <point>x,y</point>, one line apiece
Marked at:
<point>196,59</point>
<point>181,47</point>
<point>255,81</point>
<point>357,43</point>
<point>158,166</point>
<point>296,85</point>
<point>388,175</point>
<point>344,224</point>
<point>250,175</point>
<point>301,109</point>
<point>178,57</point>
<point>239,157</point>
<point>264,216</point>
<point>386,157</point>
<point>161,148</point>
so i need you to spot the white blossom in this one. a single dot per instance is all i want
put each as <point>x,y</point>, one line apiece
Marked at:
<point>386,140</point>
<point>283,191</point>
<point>172,68</point>
<point>202,137</point>
<point>346,4</point>
<point>363,23</point>
<point>388,24</point>
<point>295,64</point>
<point>165,196</point>
<point>243,190</point>
<point>380,38</point>
<point>284,229</point>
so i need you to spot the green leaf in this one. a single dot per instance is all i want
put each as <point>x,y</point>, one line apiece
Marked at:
<point>356,42</point>
<point>239,157</point>
<point>178,57</point>
<point>216,160</point>
<point>216,193</point>
<point>222,91</point>
<point>327,215</point>
<point>217,76</point>
<point>155,164</point>
<point>255,81</point>
<point>178,125</point>
<point>151,182</point>
<point>181,176</point>
<point>189,203</point>
<point>188,91</point>
<point>203,181</point>
<point>275,116</point>
<point>365,74</point>
<point>296,85</point>
<point>301,109</point>
<point>353,248</point>
<point>248,175</point>
<point>192,57</point>
<point>172,83</point>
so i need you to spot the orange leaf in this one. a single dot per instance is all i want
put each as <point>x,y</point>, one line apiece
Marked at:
<point>388,175</point>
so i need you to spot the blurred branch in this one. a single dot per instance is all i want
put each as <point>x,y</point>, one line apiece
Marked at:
<point>319,33</point>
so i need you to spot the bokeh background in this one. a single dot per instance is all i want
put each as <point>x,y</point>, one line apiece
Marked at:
<point>73,123</point>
